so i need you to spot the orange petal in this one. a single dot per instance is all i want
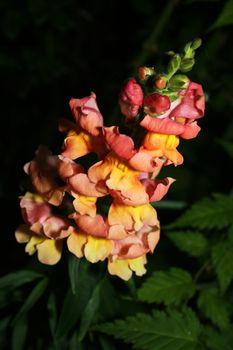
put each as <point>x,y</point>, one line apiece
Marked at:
<point>76,242</point>
<point>84,205</point>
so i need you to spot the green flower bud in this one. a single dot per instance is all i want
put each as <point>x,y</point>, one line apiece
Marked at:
<point>173,65</point>
<point>187,64</point>
<point>178,82</point>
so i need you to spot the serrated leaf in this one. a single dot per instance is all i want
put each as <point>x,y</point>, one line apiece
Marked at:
<point>225,17</point>
<point>214,307</point>
<point>208,213</point>
<point>168,287</point>
<point>222,258</point>
<point>33,297</point>
<point>218,341</point>
<point>193,243</point>
<point>17,279</point>
<point>160,331</point>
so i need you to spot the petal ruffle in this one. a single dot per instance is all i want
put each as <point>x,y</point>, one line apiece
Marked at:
<point>125,268</point>
<point>156,189</point>
<point>49,251</point>
<point>87,114</point>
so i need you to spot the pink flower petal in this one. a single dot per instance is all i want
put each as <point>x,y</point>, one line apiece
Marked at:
<point>81,183</point>
<point>121,144</point>
<point>157,189</point>
<point>192,105</point>
<point>162,126</point>
<point>191,130</point>
<point>34,209</point>
<point>87,114</point>
<point>144,162</point>
<point>56,227</point>
<point>94,226</point>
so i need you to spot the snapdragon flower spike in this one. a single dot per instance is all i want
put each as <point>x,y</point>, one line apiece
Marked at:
<point>126,229</point>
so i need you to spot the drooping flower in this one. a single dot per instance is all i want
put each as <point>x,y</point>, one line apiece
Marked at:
<point>43,231</point>
<point>85,135</point>
<point>43,171</point>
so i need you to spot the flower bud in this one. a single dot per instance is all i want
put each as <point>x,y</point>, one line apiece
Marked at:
<point>160,82</point>
<point>131,99</point>
<point>145,72</point>
<point>156,104</point>
<point>187,64</point>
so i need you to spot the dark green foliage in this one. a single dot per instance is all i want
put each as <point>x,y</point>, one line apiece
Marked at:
<point>169,287</point>
<point>214,307</point>
<point>208,213</point>
<point>222,257</point>
<point>174,330</point>
<point>191,242</point>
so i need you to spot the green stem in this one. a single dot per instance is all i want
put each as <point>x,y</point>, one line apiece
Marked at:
<point>201,270</point>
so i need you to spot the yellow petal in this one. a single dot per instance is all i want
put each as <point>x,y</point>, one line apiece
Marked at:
<point>137,265</point>
<point>31,247</point>
<point>85,205</point>
<point>76,242</point>
<point>49,251</point>
<point>23,234</point>
<point>97,249</point>
<point>120,268</point>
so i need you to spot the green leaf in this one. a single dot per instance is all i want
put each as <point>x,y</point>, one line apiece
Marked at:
<point>33,297</point>
<point>74,304</point>
<point>222,258</point>
<point>52,309</point>
<point>89,312</point>
<point>105,343</point>
<point>161,331</point>
<point>19,333</point>
<point>214,307</point>
<point>193,243</point>
<point>225,17</point>
<point>4,326</point>
<point>168,204</point>
<point>17,279</point>
<point>170,287</point>
<point>218,341</point>
<point>208,213</point>
<point>73,267</point>
<point>227,146</point>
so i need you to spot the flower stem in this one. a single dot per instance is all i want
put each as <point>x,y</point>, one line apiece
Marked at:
<point>149,44</point>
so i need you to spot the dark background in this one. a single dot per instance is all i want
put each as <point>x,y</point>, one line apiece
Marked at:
<point>54,50</point>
